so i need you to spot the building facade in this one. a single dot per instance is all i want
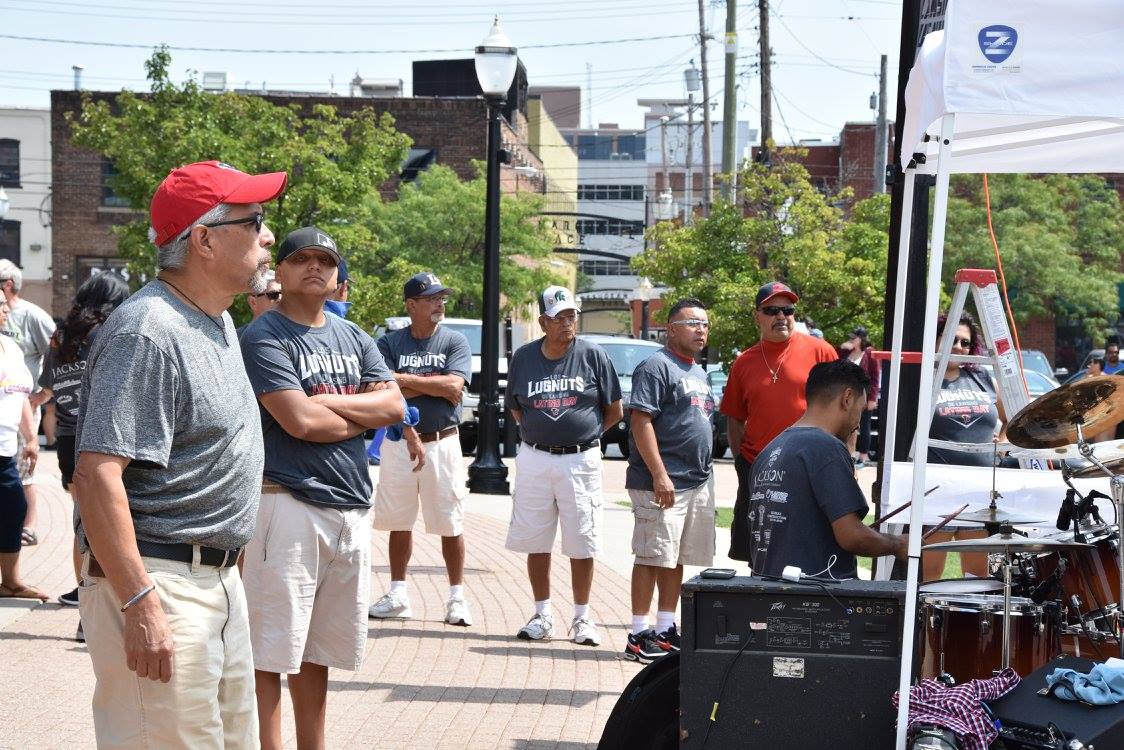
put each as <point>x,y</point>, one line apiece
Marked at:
<point>25,176</point>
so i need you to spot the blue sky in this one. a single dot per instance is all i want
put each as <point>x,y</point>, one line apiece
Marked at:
<point>825,51</point>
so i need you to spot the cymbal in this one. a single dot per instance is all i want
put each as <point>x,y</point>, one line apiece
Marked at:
<point>1096,402</point>
<point>1110,449</point>
<point>1092,471</point>
<point>999,515</point>
<point>1005,543</point>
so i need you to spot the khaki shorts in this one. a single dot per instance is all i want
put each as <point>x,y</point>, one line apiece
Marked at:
<point>553,490</point>
<point>680,535</point>
<point>210,701</point>
<point>307,571</point>
<point>438,489</point>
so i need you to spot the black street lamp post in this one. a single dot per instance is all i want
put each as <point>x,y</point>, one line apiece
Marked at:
<point>495,67</point>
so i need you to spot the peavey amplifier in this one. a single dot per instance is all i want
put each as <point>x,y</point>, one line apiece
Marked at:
<point>790,666</point>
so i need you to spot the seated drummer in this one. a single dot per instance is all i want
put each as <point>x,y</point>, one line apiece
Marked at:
<point>805,505</point>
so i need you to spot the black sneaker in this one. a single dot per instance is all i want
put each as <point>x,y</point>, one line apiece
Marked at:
<point>80,636</point>
<point>70,598</point>
<point>669,639</point>
<point>643,647</point>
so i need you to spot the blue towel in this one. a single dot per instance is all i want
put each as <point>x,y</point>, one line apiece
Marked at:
<point>394,431</point>
<point>1103,686</point>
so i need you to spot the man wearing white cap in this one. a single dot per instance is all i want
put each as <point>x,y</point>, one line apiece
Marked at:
<point>564,392</point>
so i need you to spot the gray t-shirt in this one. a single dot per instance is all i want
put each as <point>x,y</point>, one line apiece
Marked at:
<point>65,381</point>
<point>801,483</point>
<point>446,352</point>
<point>32,327</point>
<point>562,399</point>
<point>676,394</point>
<point>966,412</point>
<point>337,357</point>
<point>165,387</point>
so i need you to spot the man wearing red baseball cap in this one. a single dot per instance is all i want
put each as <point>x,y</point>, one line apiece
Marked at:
<point>169,474</point>
<point>765,392</point>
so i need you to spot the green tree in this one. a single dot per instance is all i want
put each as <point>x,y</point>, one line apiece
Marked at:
<point>437,224</point>
<point>335,163</point>
<point>782,228</point>
<point>1061,239</point>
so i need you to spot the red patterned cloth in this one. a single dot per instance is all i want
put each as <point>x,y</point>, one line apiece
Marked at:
<point>958,708</point>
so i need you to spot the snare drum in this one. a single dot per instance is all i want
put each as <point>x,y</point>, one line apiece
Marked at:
<point>961,586</point>
<point>1090,574</point>
<point>962,634</point>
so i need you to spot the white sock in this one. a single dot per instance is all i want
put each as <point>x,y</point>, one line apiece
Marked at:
<point>543,607</point>
<point>639,624</point>
<point>456,592</point>
<point>664,621</point>
<point>399,587</point>
<point>580,611</point>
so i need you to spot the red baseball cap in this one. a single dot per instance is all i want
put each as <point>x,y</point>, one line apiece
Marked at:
<point>772,289</point>
<point>194,189</point>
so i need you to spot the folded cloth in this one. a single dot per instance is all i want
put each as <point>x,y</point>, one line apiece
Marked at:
<point>394,431</point>
<point>1102,686</point>
<point>959,708</point>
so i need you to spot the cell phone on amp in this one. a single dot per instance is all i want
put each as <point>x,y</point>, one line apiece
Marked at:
<point>719,573</point>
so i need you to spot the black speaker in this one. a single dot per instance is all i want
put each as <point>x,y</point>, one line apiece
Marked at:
<point>798,666</point>
<point>647,713</point>
<point>1025,714</point>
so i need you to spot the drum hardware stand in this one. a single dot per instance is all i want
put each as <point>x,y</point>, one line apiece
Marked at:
<point>1116,482</point>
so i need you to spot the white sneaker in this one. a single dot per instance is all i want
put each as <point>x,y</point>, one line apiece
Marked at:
<point>456,612</point>
<point>391,605</point>
<point>585,632</point>
<point>538,628</point>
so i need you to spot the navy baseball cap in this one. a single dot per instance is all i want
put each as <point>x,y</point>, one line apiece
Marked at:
<point>342,276</point>
<point>424,284</point>
<point>299,239</point>
<point>772,289</point>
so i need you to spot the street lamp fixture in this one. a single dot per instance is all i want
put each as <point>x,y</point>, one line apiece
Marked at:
<point>643,294</point>
<point>496,62</point>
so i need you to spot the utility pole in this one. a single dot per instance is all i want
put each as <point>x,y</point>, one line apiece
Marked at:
<point>708,180</point>
<point>589,96</point>
<point>880,133</point>
<point>663,149</point>
<point>766,80</point>
<point>688,177</point>
<point>730,105</point>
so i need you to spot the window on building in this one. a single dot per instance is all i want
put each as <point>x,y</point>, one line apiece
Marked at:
<point>109,198</point>
<point>10,241</point>
<point>419,160</point>
<point>595,146</point>
<point>604,267</point>
<point>632,145</point>
<point>611,192</point>
<point>614,227</point>
<point>9,163</point>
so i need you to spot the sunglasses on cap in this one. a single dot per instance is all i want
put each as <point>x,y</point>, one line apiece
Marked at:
<point>772,310</point>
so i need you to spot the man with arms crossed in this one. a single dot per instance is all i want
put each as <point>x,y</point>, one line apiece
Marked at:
<point>321,384</point>
<point>169,474</point>
<point>669,477</point>
<point>431,364</point>
<point>805,507</point>
<point>565,393</point>
<point>765,392</point>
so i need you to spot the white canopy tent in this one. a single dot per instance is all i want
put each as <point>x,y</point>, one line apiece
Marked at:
<point>1035,86</point>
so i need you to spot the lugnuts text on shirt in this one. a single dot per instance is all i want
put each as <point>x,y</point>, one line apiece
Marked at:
<point>329,372</point>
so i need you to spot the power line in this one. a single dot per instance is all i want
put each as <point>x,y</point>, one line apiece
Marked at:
<point>463,50</point>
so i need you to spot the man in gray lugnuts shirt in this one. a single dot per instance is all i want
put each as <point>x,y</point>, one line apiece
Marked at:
<point>564,393</point>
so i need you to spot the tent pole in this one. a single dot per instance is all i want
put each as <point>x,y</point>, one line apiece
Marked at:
<point>924,417</point>
<point>889,434</point>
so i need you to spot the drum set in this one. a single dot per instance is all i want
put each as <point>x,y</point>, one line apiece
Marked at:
<point>1048,594</point>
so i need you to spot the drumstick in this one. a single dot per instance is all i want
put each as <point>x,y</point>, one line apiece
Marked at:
<point>942,524</point>
<point>898,510</point>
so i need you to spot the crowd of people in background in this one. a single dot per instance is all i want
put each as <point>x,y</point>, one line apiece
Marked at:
<point>224,501</point>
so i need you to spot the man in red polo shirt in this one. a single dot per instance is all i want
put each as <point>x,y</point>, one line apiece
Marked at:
<point>765,392</point>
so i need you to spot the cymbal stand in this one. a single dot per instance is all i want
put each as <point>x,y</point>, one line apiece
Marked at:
<point>1006,658</point>
<point>1116,483</point>
<point>993,528</point>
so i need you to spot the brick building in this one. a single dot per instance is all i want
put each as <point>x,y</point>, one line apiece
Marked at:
<point>847,161</point>
<point>444,130</point>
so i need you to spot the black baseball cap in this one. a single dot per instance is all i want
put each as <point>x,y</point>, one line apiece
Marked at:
<point>772,289</point>
<point>299,239</point>
<point>424,284</point>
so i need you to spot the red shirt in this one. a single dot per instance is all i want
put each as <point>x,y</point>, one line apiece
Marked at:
<point>768,408</point>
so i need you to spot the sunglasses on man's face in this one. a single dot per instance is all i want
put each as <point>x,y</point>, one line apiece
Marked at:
<point>256,219</point>
<point>772,310</point>
<point>273,296</point>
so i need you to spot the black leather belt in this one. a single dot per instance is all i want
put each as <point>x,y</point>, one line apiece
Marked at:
<point>218,558</point>
<point>430,437</point>
<point>559,450</point>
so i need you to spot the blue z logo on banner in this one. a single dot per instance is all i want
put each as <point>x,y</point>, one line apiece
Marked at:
<point>998,42</point>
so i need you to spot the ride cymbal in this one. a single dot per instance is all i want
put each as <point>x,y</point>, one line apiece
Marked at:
<point>1050,421</point>
<point>1092,471</point>
<point>1004,543</point>
<point>999,515</point>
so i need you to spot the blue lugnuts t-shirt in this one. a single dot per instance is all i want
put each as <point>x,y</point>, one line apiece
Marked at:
<point>336,358</point>
<point>562,399</point>
<point>676,394</point>
<point>446,352</point>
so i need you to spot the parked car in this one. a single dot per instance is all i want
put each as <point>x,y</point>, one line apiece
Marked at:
<point>717,380</point>
<point>1036,360</point>
<point>1036,382</point>
<point>1084,369</point>
<point>626,354</point>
